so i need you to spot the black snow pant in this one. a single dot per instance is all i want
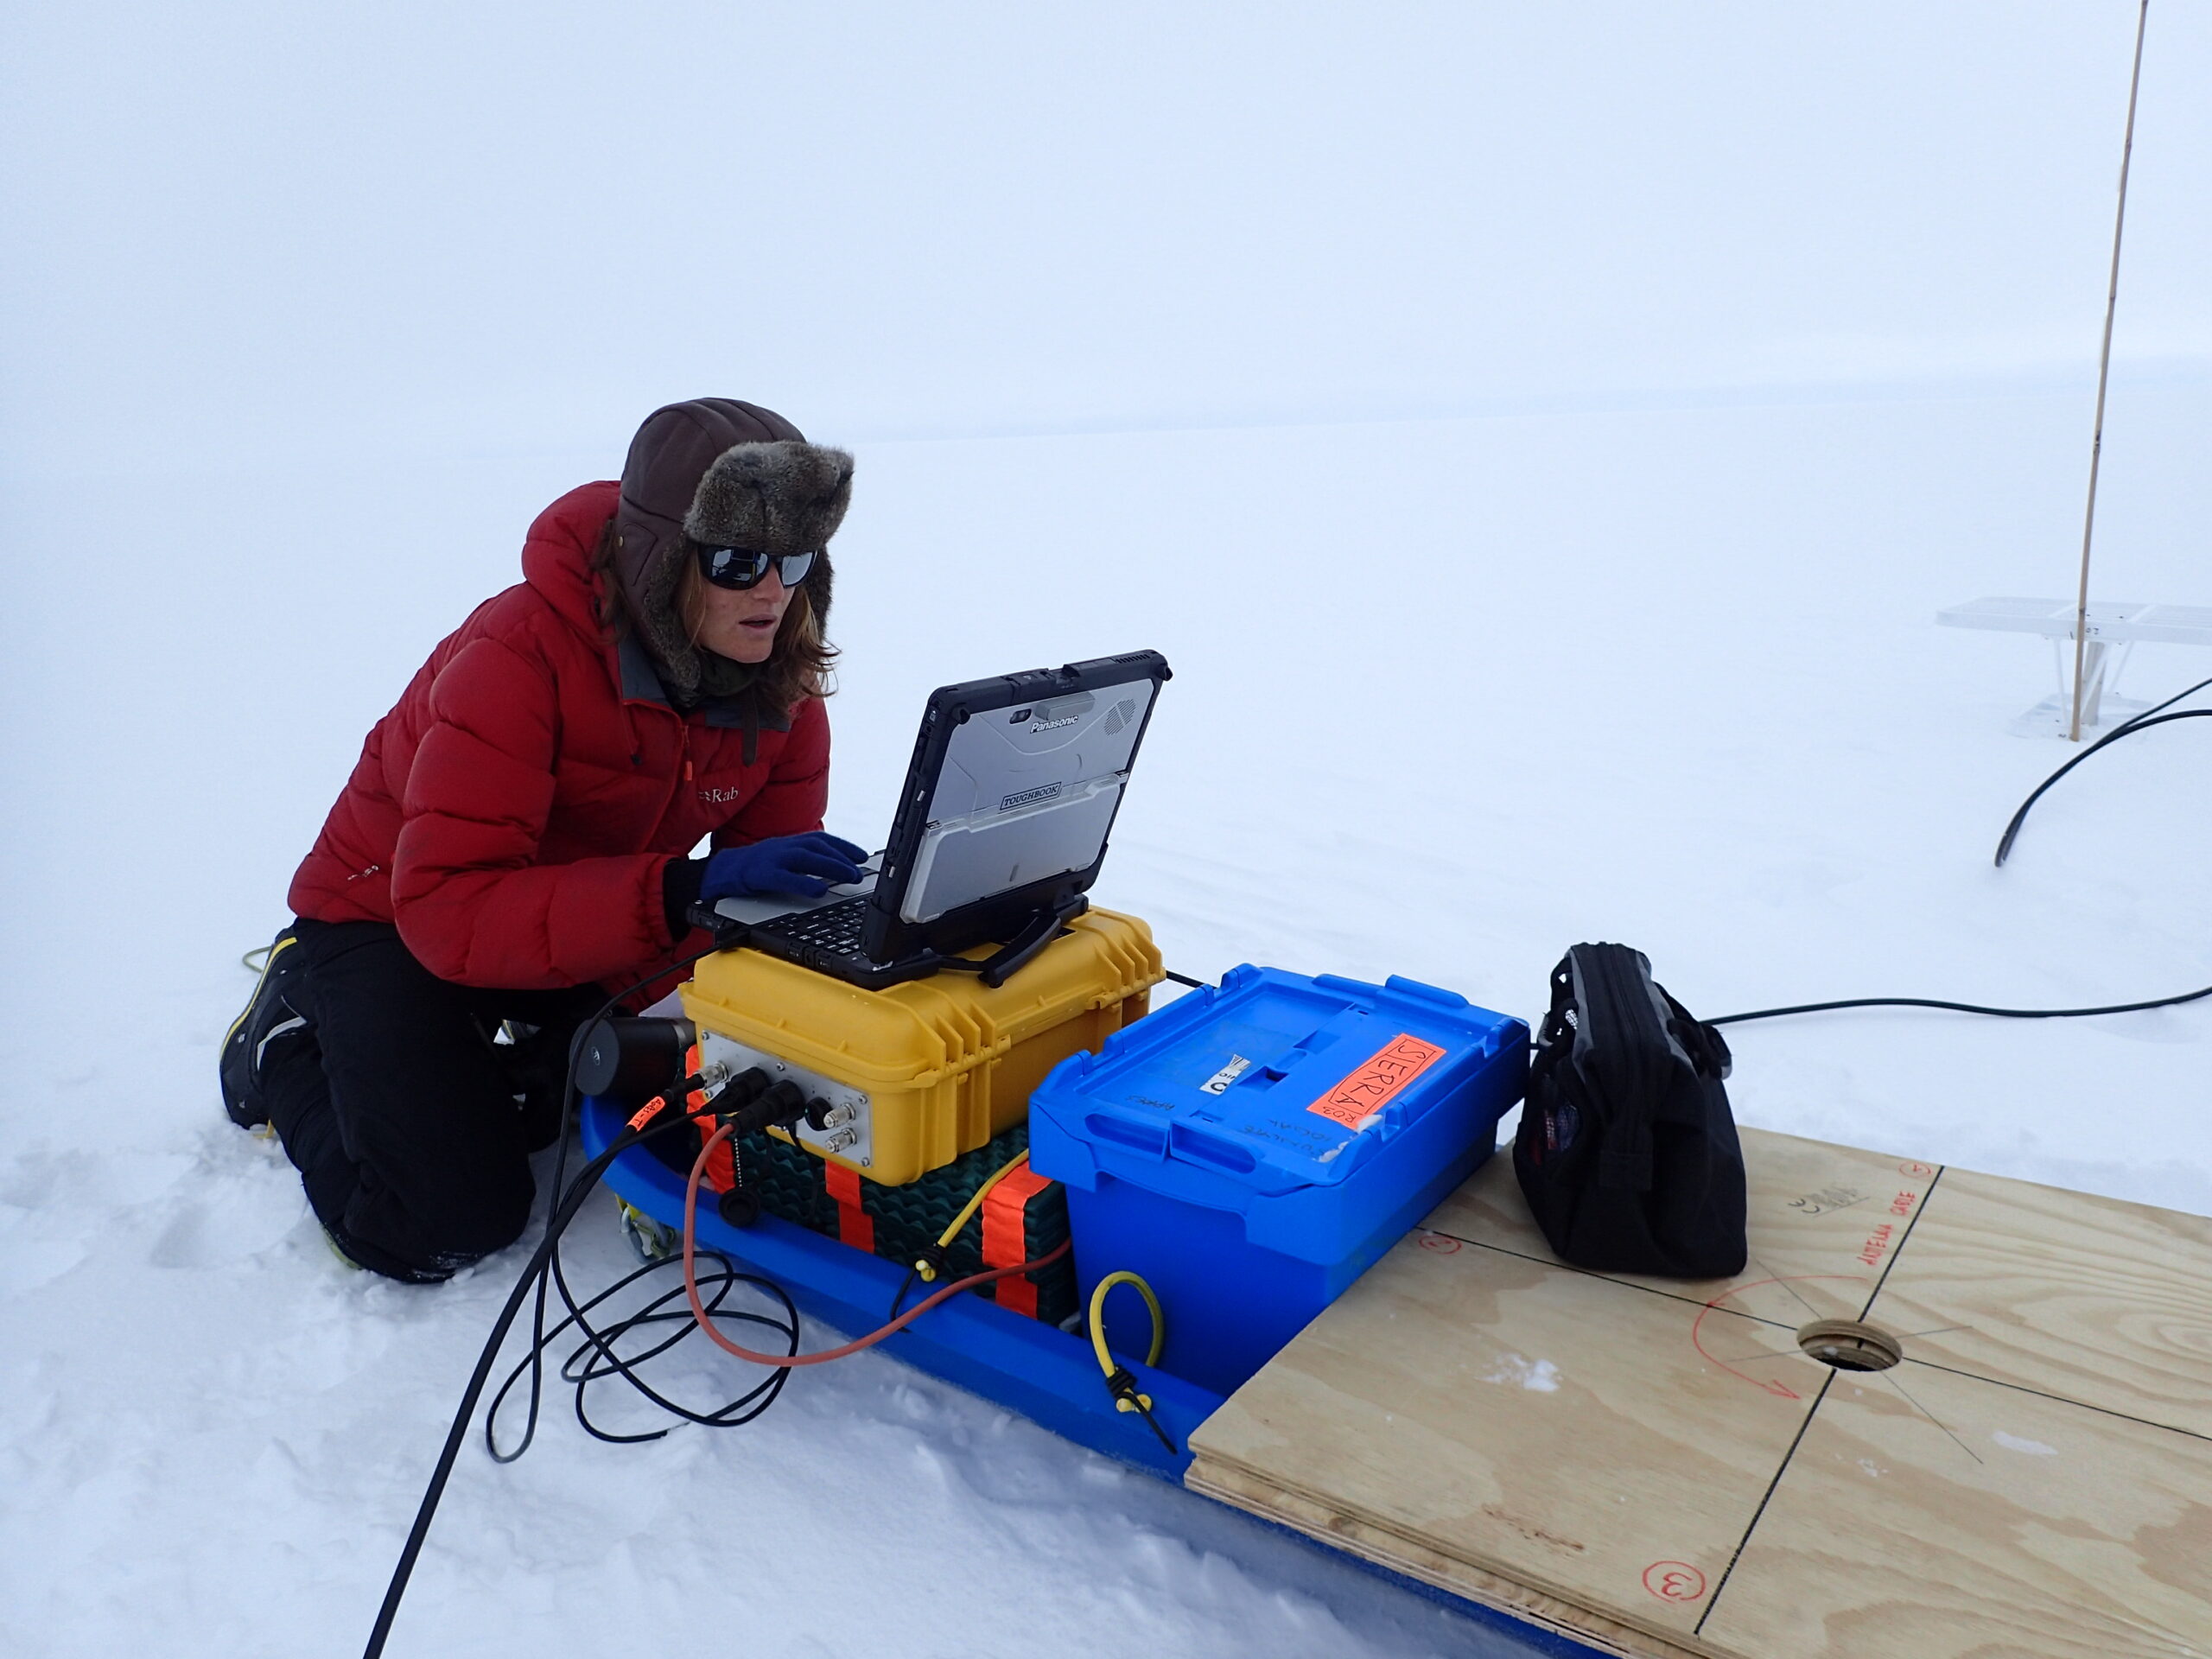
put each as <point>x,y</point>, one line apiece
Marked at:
<point>398,1110</point>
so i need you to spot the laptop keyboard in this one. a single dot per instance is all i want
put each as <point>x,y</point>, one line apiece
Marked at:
<point>834,930</point>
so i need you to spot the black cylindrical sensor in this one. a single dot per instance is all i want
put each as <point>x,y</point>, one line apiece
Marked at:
<point>632,1060</point>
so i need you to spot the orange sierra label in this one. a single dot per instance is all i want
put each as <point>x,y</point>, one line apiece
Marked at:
<point>1375,1083</point>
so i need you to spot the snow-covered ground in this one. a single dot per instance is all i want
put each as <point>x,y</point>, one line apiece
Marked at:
<point>1757,347</point>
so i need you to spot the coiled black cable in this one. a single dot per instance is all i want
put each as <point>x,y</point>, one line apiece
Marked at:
<point>598,1356</point>
<point>565,1211</point>
<point>555,1278</point>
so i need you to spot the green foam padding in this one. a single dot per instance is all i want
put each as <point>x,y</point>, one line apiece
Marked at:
<point>908,1219</point>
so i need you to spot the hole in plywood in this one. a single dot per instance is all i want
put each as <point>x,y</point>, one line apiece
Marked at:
<point>1850,1344</point>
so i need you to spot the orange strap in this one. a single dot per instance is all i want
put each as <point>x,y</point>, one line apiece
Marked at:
<point>1005,1211</point>
<point>855,1226</point>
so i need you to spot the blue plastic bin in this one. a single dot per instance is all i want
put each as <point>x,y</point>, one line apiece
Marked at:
<point>1252,1149</point>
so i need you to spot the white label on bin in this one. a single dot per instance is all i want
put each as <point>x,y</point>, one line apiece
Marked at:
<point>1218,1083</point>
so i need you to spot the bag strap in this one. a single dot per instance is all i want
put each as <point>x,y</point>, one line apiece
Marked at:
<point>1620,1021</point>
<point>1706,1047</point>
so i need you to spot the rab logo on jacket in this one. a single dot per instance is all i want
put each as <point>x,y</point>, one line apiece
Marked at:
<point>721,797</point>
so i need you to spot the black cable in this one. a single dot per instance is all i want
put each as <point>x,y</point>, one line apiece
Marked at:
<point>1960,1008</point>
<point>596,1358</point>
<point>558,1279</point>
<point>905,1285</point>
<point>564,1213</point>
<point>1185,979</point>
<point>2154,715</point>
<point>1922,1001</point>
<point>562,1208</point>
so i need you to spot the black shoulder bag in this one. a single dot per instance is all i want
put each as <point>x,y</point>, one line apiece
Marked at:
<point>1627,1151</point>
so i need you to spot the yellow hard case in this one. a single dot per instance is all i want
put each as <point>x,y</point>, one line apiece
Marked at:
<point>928,1070</point>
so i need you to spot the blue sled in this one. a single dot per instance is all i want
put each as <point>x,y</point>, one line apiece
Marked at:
<point>1043,1373</point>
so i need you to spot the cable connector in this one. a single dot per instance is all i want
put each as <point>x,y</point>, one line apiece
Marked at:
<point>743,1090</point>
<point>822,1115</point>
<point>739,1098</point>
<point>779,1106</point>
<point>786,1103</point>
<point>1122,1385</point>
<point>739,1207</point>
<point>1120,1381</point>
<point>929,1262</point>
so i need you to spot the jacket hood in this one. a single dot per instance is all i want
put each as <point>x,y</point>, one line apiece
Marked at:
<point>557,555</point>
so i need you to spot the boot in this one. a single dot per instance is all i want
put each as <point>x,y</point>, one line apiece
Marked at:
<point>267,1017</point>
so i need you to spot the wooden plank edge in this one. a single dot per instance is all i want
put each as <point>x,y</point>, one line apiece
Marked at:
<point>1337,1518</point>
<point>1389,1548</point>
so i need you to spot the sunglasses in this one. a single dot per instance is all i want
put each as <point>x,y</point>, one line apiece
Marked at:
<point>741,567</point>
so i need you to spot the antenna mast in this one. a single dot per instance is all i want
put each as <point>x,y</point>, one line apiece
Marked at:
<point>2104,373</point>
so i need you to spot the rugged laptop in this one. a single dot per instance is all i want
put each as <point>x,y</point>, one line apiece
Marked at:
<point>999,831</point>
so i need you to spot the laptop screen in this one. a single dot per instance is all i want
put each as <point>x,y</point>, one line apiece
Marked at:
<point>1027,791</point>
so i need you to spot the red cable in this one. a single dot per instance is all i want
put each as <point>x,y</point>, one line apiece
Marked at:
<point>788,1362</point>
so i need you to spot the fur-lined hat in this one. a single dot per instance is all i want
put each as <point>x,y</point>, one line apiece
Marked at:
<point>785,497</point>
<point>728,473</point>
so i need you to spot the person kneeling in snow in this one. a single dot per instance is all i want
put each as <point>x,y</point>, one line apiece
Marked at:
<point>512,845</point>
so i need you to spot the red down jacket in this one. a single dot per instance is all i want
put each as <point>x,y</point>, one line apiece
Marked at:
<point>514,811</point>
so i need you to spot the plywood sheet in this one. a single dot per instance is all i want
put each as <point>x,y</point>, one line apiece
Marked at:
<point>1554,1426</point>
<point>1659,1468</point>
<point>1415,1560</point>
<point>2089,1299</point>
<point>1927,1514</point>
<point>1823,1222</point>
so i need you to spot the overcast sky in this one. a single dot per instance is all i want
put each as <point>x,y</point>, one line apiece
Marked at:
<point>273,229</point>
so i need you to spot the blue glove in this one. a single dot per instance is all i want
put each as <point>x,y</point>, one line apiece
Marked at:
<point>805,865</point>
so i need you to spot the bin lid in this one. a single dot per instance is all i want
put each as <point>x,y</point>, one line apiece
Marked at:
<point>1274,1080</point>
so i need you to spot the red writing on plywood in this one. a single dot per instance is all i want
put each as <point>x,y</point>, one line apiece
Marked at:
<point>1376,1081</point>
<point>1674,1580</point>
<point>1877,1242</point>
